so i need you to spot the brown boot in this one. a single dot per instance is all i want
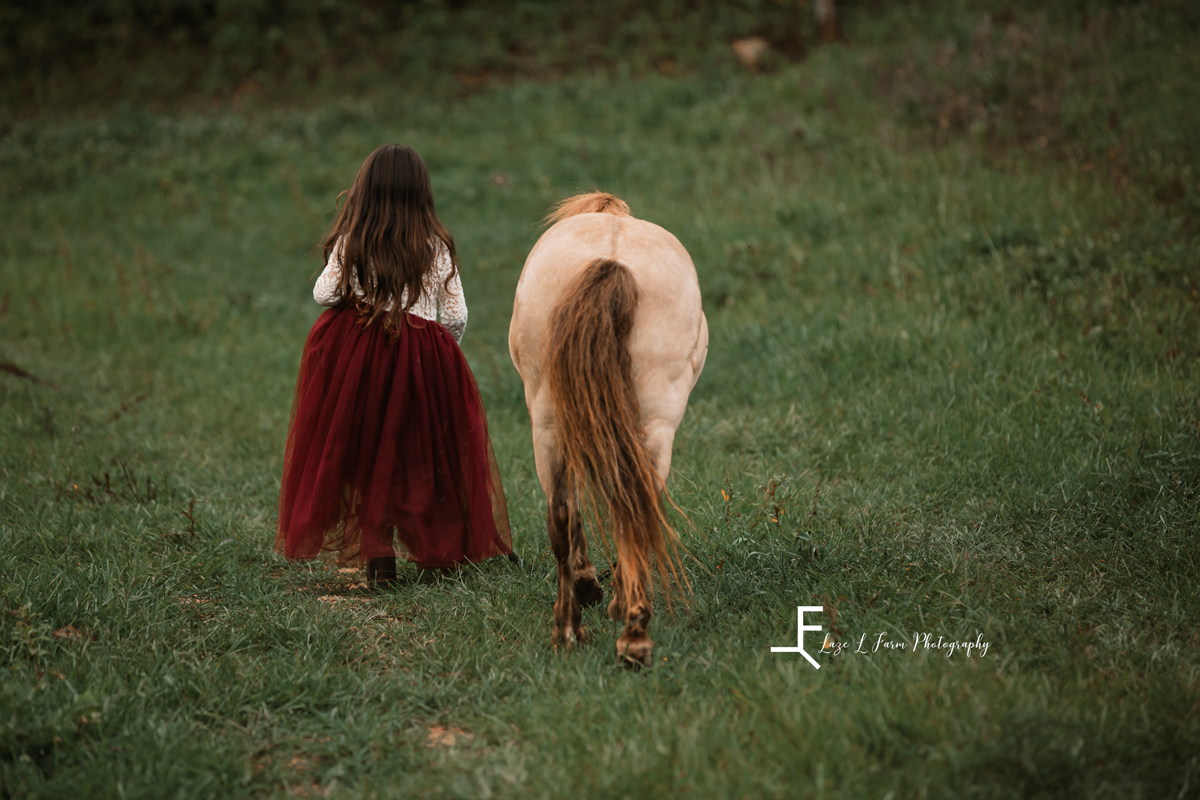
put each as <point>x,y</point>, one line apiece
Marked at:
<point>381,572</point>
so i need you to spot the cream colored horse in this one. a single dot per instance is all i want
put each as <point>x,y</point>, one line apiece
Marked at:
<point>609,338</point>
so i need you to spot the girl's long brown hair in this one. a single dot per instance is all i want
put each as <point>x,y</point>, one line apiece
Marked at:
<point>389,234</point>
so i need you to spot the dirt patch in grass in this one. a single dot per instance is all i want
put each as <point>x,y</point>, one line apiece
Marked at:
<point>440,736</point>
<point>72,633</point>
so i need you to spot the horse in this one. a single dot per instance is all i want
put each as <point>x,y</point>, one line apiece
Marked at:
<point>609,338</point>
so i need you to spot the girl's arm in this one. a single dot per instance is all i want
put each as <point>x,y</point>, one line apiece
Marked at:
<point>452,306</point>
<point>327,290</point>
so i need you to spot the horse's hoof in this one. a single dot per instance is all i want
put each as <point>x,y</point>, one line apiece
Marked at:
<point>635,652</point>
<point>588,592</point>
<point>567,638</point>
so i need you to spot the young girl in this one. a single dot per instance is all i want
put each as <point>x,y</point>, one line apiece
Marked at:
<point>388,433</point>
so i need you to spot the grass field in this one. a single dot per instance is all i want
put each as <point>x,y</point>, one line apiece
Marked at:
<point>951,273</point>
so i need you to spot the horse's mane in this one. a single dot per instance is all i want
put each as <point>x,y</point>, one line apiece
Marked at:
<point>589,203</point>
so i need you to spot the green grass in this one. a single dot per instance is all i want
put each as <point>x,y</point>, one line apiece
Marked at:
<point>952,388</point>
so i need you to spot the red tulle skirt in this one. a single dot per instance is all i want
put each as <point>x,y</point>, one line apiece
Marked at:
<point>388,451</point>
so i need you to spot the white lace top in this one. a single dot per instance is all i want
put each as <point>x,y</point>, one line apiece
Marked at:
<point>436,299</point>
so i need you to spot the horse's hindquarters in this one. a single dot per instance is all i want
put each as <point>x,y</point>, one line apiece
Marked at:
<point>609,337</point>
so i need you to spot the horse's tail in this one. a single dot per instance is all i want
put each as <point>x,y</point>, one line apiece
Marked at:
<point>590,203</point>
<point>608,471</point>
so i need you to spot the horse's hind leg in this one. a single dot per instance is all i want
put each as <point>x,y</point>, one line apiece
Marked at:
<point>565,530</point>
<point>615,610</point>
<point>635,646</point>
<point>587,588</point>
